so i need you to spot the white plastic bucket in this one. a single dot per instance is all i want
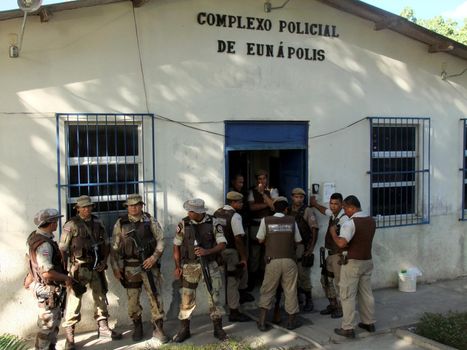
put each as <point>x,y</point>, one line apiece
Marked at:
<point>407,282</point>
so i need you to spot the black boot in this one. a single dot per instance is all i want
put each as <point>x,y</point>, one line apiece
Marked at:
<point>70,338</point>
<point>158,332</point>
<point>245,297</point>
<point>137,330</point>
<point>237,316</point>
<point>337,312</point>
<point>103,331</point>
<point>308,302</point>
<point>293,322</point>
<point>219,332</point>
<point>330,308</point>
<point>183,333</point>
<point>262,326</point>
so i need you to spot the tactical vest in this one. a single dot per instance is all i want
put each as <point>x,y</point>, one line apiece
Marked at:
<point>34,241</point>
<point>360,244</point>
<point>88,233</point>
<point>280,242</point>
<point>259,214</point>
<point>305,230</point>
<point>328,241</point>
<point>203,233</point>
<point>224,218</point>
<point>136,231</point>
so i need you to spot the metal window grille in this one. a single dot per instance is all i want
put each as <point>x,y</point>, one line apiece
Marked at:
<point>399,171</point>
<point>464,171</point>
<point>107,157</point>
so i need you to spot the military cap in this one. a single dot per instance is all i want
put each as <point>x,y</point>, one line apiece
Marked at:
<point>83,201</point>
<point>133,199</point>
<point>196,205</point>
<point>298,190</point>
<point>234,196</point>
<point>46,216</point>
<point>280,199</point>
<point>260,172</point>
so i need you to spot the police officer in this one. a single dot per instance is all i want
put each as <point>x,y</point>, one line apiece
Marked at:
<point>198,241</point>
<point>308,227</point>
<point>260,200</point>
<point>330,280</point>
<point>84,241</point>
<point>279,233</point>
<point>137,246</point>
<point>356,235</point>
<point>48,276</point>
<point>234,256</point>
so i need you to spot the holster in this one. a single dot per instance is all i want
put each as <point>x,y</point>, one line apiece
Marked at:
<point>308,260</point>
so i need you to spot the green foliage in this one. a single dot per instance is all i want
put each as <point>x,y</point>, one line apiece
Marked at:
<point>11,342</point>
<point>444,26</point>
<point>227,345</point>
<point>448,329</point>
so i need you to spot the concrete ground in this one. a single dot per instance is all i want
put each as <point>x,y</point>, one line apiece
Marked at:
<point>394,310</point>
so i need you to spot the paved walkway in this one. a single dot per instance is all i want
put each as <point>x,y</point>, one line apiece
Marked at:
<point>394,309</point>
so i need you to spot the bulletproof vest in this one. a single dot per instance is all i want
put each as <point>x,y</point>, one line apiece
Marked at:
<point>89,233</point>
<point>280,241</point>
<point>305,230</point>
<point>34,241</point>
<point>360,244</point>
<point>328,241</point>
<point>203,233</point>
<point>259,214</point>
<point>224,217</point>
<point>134,233</point>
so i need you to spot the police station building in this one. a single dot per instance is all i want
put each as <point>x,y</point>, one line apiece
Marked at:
<point>171,98</point>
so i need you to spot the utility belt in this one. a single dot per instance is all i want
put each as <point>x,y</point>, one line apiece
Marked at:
<point>332,252</point>
<point>269,258</point>
<point>51,299</point>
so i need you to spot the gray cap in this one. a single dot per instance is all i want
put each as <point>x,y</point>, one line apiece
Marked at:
<point>280,199</point>
<point>260,172</point>
<point>196,205</point>
<point>298,190</point>
<point>234,196</point>
<point>83,201</point>
<point>46,216</point>
<point>133,199</point>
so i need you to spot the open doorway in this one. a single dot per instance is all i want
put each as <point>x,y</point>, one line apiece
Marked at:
<point>280,148</point>
<point>286,168</point>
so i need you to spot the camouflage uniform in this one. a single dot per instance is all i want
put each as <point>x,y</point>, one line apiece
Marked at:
<point>45,256</point>
<point>192,273</point>
<point>82,261</point>
<point>131,266</point>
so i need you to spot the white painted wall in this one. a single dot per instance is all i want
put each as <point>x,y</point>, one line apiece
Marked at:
<point>87,60</point>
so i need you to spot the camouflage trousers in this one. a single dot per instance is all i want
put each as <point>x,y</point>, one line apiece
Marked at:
<point>191,276</point>
<point>234,283</point>
<point>134,274</point>
<point>304,273</point>
<point>89,278</point>
<point>331,283</point>
<point>48,322</point>
<point>283,272</point>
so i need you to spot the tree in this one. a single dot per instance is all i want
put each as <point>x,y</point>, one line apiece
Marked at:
<point>446,27</point>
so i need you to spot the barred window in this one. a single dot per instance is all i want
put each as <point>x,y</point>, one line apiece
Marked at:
<point>400,171</point>
<point>105,159</point>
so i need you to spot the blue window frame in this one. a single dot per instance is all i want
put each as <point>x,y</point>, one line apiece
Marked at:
<point>399,171</point>
<point>464,171</point>
<point>106,157</point>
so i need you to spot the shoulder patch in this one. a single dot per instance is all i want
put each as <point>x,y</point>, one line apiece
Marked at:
<point>179,228</point>
<point>219,228</point>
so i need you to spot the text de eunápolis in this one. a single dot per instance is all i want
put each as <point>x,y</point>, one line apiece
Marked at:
<point>264,24</point>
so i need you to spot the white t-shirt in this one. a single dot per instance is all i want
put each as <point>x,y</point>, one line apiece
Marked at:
<point>261,235</point>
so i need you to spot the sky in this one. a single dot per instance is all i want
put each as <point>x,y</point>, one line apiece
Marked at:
<point>424,9</point>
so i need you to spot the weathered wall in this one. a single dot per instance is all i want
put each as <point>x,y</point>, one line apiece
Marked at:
<point>87,60</point>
